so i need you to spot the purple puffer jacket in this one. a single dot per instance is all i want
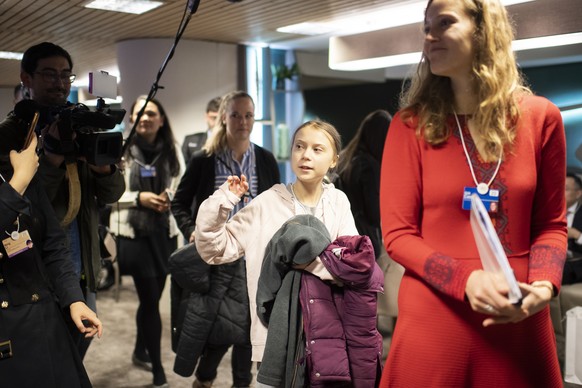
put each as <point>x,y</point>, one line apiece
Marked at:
<point>343,346</point>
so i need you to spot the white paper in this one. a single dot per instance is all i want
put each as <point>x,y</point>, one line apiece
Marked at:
<point>573,363</point>
<point>491,251</point>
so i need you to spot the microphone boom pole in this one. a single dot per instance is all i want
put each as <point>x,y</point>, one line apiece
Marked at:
<point>191,8</point>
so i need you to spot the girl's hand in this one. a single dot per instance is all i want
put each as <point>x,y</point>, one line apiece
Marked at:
<point>86,320</point>
<point>158,203</point>
<point>487,294</point>
<point>25,164</point>
<point>238,186</point>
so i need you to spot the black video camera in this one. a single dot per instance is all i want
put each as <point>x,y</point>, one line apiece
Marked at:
<point>92,139</point>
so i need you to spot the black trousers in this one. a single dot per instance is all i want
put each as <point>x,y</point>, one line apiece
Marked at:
<point>241,364</point>
<point>572,271</point>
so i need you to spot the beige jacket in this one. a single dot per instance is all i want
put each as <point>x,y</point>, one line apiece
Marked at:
<point>249,231</point>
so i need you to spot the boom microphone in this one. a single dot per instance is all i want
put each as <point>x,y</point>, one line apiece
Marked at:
<point>193,6</point>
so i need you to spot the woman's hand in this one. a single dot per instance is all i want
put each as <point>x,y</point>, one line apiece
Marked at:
<point>536,297</point>
<point>24,164</point>
<point>86,320</point>
<point>238,186</point>
<point>158,203</point>
<point>487,294</point>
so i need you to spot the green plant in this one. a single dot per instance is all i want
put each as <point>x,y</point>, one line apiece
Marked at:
<point>284,72</point>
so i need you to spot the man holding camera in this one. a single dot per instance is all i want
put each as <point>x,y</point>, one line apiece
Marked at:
<point>46,74</point>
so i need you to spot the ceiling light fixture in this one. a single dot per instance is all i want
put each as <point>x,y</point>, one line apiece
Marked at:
<point>392,16</point>
<point>547,41</point>
<point>308,28</point>
<point>127,6</point>
<point>11,55</point>
<point>413,58</point>
<point>376,63</point>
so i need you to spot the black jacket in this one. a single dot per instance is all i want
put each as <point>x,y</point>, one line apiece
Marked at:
<point>576,223</point>
<point>219,316</point>
<point>193,143</point>
<point>36,271</point>
<point>573,265</point>
<point>362,188</point>
<point>31,284</point>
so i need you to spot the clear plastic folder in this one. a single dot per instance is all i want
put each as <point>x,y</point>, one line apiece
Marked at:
<point>490,249</point>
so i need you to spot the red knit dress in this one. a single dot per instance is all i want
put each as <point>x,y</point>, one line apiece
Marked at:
<point>439,341</point>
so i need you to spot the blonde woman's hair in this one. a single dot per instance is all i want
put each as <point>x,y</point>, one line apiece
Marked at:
<point>217,141</point>
<point>498,84</point>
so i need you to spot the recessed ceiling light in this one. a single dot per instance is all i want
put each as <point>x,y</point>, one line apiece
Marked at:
<point>547,41</point>
<point>414,58</point>
<point>128,6</point>
<point>376,63</point>
<point>308,28</point>
<point>11,55</point>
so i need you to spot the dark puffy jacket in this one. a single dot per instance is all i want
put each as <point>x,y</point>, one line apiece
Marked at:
<point>342,342</point>
<point>219,316</point>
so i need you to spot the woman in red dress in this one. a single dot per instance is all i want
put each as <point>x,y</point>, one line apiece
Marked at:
<point>468,123</point>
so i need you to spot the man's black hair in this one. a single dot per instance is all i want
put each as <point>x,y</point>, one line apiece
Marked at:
<point>40,51</point>
<point>213,105</point>
<point>576,178</point>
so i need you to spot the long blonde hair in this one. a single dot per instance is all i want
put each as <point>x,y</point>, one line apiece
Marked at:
<point>498,84</point>
<point>217,141</point>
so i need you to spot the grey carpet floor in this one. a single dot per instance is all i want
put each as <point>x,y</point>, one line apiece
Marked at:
<point>108,360</point>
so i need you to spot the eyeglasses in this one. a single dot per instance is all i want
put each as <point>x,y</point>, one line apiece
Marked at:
<point>51,76</point>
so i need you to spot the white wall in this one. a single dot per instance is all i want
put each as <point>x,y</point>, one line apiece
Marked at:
<point>6,101</point>
<point>198,72</point>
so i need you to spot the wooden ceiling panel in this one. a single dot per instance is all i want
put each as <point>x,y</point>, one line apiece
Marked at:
<point>91,35</point>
